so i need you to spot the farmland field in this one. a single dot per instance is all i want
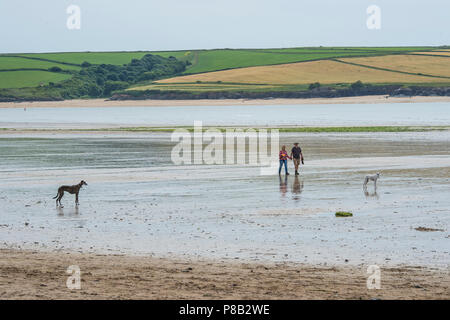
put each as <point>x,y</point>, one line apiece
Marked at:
<point>205,86</point>
<point>21,79</point>
<point>325,71</point>
<point>437,53</point>
<point>252,69</point>
<point>212,60</point>
<point>436,66</point>
<point>116,58</point>
<point>7,63</point>
<point>230,59</point>
<point>220,59</point>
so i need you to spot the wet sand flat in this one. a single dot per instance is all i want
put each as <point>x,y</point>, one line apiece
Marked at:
<point>39,275</point>
<point>139,203</point>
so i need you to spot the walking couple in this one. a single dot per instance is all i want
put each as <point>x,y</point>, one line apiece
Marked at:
<point>296,156</point>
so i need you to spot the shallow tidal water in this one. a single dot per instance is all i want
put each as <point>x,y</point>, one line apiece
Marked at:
<point>138,202</point>
<point>263,115</point>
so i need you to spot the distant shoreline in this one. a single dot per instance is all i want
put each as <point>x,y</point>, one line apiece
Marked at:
<point>90,103</point>
<point>285,129</point>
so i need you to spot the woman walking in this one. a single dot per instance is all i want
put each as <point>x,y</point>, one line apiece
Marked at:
<point>283,160</point>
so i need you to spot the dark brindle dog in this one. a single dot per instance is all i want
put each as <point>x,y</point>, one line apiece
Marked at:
<point>70,189</point>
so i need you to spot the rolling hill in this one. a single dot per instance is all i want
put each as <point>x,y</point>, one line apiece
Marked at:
<point>240,69</point>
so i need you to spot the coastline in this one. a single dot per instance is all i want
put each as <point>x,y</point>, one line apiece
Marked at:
<point>89,103</point>
<point>128,130</point>
<point>29,274</point>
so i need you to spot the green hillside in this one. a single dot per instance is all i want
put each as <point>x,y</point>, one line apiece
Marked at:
<point>213,60</point>
<point>29,70</point>
<point>221,59</point>
<point>12,63</point>
<point>32,78</point>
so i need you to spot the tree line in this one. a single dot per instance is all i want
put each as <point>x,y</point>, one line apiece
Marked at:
<point>94,81</point>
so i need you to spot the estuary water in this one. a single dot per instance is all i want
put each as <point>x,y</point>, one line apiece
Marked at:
<point>265,115</point>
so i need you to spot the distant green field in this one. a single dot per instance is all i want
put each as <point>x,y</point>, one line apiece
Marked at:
<point>229,59</point>
<point>7,63</point>
<point>92,57</point>
<point>22,79</point>
<point>213,60</point>
<point>396,49</point>
<point>338,50</point>
<point>116,58</point>
<point>220,59</point>
<point>201,61</point>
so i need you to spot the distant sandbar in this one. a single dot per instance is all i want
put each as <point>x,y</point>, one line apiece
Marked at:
<point>88,103</point>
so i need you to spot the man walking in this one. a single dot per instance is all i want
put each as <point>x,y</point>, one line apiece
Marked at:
<point>297,156</point>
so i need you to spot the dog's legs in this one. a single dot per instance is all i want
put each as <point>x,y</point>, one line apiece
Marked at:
<point>375,183</point>
<point>76,199</point>
<point>366,180</point>
<point>59,198</point>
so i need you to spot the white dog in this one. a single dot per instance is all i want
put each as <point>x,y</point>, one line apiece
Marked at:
<point>373,178</point>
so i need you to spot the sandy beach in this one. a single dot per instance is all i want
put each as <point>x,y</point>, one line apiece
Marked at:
<point>223,102</point>
<point>42,275</point>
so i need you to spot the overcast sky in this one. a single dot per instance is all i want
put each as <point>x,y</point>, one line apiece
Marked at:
<point>106,25</point>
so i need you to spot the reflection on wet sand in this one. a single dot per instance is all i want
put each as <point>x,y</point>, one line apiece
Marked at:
<point>283,185</point>
<point>70,212</point>
<point>297,186</point>
<point>372,194</point>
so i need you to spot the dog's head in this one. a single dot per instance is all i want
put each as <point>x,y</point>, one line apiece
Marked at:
<point>378,174</point>
<point>83,183</point>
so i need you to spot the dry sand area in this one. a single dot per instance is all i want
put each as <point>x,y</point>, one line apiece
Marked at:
<point>94,103</point>
<point>38,275</point>
<point>331,72</point>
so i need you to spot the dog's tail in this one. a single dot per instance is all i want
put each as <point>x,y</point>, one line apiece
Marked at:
<point>56,196</point>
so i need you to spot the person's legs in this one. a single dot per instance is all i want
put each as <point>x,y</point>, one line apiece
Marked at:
<point>279,169</point>
<point>285,167</point>
<point>296,164</point>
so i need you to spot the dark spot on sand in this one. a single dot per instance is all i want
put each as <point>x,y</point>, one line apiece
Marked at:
<point>425,229</point>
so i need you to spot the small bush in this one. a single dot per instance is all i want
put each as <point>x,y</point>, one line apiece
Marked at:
<point>358,85</point>
<point>55,69</point>
<point>314,85</point>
